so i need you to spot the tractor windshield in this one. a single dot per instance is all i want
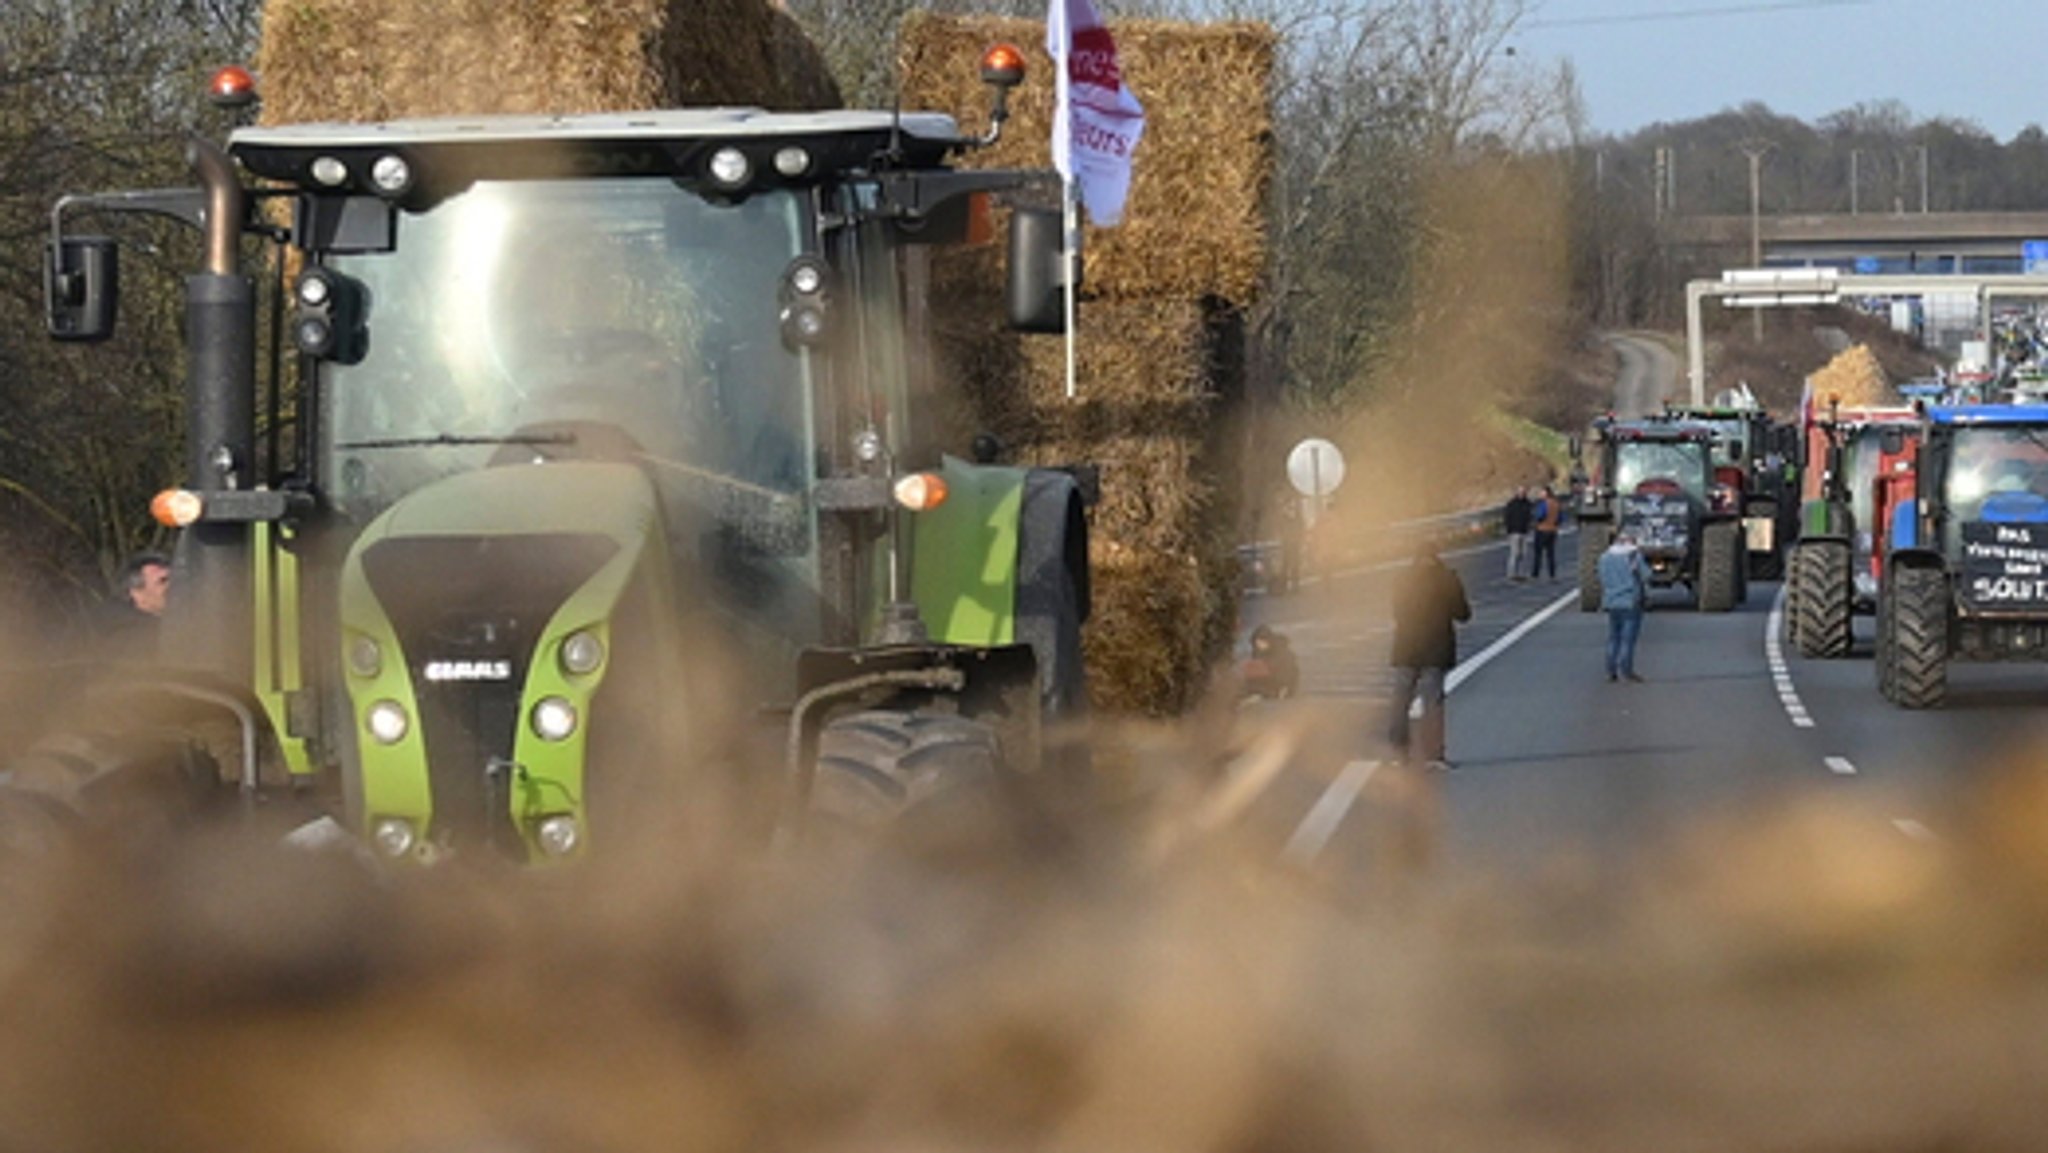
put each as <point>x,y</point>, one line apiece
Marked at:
<point>1998,474</point>
<point>1731,442</point>
<point>519,316</point>
<point>1669,467</point>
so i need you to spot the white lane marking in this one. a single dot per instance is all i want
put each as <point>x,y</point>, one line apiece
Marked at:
<point>1914,829</point>
<point>1465,669</point>
<point>1320,825</point>
<point>1841,766</point>
<point>1781,673</point>
<point>1335,803</point>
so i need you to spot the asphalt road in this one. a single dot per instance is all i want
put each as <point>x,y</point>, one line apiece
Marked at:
<point>1556,767</point>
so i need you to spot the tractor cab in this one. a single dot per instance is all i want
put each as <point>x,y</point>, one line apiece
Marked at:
<point>1965,573</point>
<point>1656,484</point>
<point>577,408</point>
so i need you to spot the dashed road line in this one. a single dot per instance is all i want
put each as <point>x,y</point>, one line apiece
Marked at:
<point>1914,829</point>
<point>1320,825</point>
<point>1781,673</point>
<point>1465,669</point>
<point>1841,766</point>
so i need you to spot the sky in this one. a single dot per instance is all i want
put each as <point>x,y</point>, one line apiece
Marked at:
<point>1642,61</point>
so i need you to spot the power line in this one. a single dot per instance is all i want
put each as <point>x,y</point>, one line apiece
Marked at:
<point>1696,13</point>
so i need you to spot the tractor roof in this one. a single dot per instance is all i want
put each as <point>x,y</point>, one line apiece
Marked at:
<point>668,142</point>
<point>1666,431</point>
<point>1992,414</point>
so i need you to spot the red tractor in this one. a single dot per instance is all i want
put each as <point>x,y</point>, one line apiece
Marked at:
<point>1859,465</point>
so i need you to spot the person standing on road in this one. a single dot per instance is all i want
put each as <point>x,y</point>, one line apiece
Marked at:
<point>1624,593</point>
<point>1429,601</point>
<point>1549,515</point>
<point>1516,520</point>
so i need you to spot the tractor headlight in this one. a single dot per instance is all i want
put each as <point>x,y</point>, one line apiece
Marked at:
<point>387,722</point>
<point>558,836</point>
<point>554,719</point>
<point>393,836</point>
<point>582,653</point>
<point>365,657</point>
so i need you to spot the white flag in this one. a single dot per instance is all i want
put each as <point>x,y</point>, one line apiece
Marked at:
<point>1096,121</point>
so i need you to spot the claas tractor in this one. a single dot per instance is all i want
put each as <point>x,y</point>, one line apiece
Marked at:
<point>1656,482</point>
<point>1859,462</point>
<point>572,417</point>
<point>1965,559</point>
<point>1750,457</point>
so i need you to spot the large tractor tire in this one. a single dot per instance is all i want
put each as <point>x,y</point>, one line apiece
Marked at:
<point>1721,559</point>
<point>1788,620</point>
<point>1594,537</point>
<point>924,779</point>
<point>1919,640</point>
<point>1820,614</point>
<point>1882,653</point>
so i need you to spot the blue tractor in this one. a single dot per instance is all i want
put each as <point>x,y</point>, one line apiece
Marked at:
<point>1965,568</point>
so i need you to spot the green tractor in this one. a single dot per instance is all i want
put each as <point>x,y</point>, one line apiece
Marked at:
<point>585,436</point>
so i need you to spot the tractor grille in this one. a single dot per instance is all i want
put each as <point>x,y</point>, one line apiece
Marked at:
<point>469,612</point>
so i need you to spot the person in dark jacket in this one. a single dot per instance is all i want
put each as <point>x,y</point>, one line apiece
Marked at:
<point>128,629</point>
<point>1515,522</point>
<point>1429,601</point>
<point>1271,671</point>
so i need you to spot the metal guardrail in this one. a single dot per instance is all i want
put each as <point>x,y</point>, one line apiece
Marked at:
<point>1259,560</point>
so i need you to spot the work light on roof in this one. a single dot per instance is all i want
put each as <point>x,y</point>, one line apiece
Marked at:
<point>391,175</point>
<point>730,167</point>
<point>329,171</point>
<point>792,161</point>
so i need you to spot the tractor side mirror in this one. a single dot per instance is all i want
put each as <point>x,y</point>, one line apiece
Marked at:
<point>1037,276</point>
<point>81,284</point>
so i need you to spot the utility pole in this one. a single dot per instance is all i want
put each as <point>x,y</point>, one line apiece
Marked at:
<point>1923,179</point>
<point>1756,152</point>
<point>1855,155</point>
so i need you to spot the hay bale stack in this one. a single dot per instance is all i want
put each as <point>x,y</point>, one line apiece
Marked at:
<point>1856,378</point>
<point>1161,367</point>
<point>370,60</point>
<point>1195,224</point>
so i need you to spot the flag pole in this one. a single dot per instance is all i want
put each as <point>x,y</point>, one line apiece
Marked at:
<point>1070,252</point>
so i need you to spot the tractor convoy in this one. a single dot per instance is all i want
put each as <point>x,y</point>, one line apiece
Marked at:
<point>563,414</point>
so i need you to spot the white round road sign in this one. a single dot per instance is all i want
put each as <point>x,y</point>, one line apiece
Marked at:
<point>1315,467</point>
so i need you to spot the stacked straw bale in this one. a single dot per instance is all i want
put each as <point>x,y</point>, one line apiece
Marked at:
<point>1856,378</point>
<point>1160,335</point>
<point>370,60</point>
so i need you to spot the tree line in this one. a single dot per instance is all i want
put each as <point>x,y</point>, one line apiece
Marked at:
<point>1402,127</point>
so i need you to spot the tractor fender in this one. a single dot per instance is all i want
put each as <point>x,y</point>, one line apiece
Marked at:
<point>1905,534</point>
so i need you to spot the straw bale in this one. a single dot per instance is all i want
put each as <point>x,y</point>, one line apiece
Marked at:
<point>371,60</point>
<point>1195,222</point>
<point>1159,385</point>
<point>1142,657</point>
<point>1856,378</point>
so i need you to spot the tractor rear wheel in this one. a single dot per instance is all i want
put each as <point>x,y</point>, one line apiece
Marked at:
<point>929,779</point>
<point>1821,610</point>
<point>1720,576</point>
<point>1919,642</point>
<point>1593,539</point>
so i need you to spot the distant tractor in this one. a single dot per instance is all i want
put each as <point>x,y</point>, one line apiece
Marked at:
<point>1751,456</point>
<point>1857,462</point>
<point>1656,482</point>
<point>1965,560</point>
<point>599,434</point>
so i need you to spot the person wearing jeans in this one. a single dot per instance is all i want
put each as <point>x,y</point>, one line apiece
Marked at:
<point>1624,593</point>
<point>1515,521</point>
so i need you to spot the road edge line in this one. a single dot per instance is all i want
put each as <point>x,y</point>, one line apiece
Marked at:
<point>1466,669</point>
